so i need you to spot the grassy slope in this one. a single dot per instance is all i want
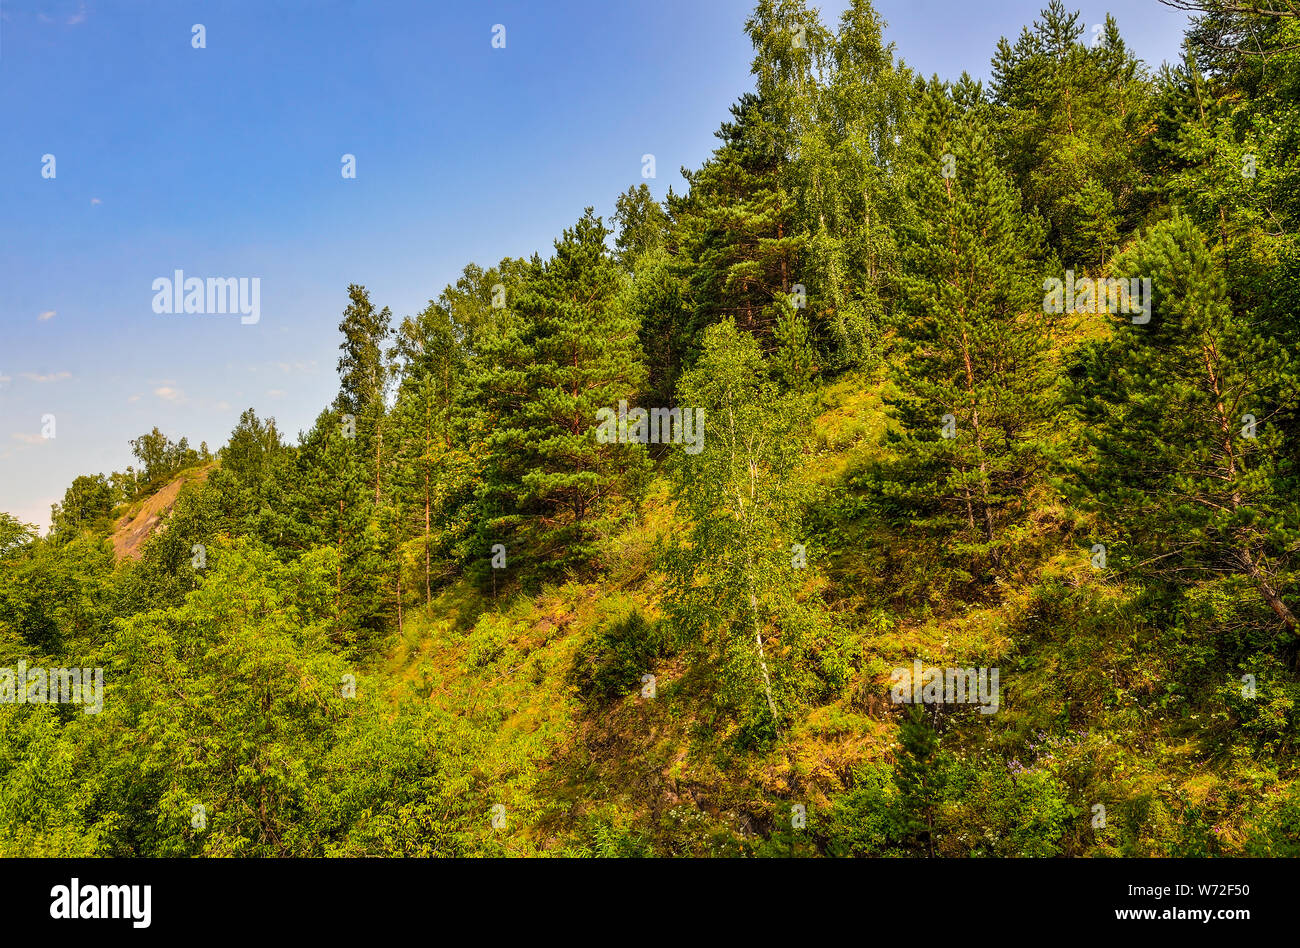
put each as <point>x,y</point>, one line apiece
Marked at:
<point>1080,664</point>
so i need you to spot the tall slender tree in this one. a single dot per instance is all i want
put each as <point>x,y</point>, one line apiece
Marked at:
<point>971,374</point>
<point>548,484</point>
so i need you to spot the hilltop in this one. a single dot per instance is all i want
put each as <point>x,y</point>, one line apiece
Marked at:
<point>957,560</point>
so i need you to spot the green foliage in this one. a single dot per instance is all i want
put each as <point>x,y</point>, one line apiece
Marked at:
<point>868,820</point>
<point>917,778</point>
<point>1073,118</point>
<point>973,401</point>
<point>161,459</point>
<point>251,448</point>
<point>14,535</point>
<point>364,373</point>
<point>304,659</point>
<point>611,663</point>
<point>1196,486</point>
<point>86,505</point>
<point>735,583</point>
<point>642,226</point>
<point>548,486</point>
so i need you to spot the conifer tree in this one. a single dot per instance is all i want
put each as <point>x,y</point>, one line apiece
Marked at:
<point>365,374</point>
<point>733,230</point>
<point>971,374</point>
<point>1073,118</point>
<point>917,777</point>
<point>363,368</point>
<point>547,484</point>
<point>1187,455</point>
<point>324,498</point>
<point>658,298</point>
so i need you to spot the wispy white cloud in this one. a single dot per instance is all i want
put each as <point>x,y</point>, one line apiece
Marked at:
<point>169,394</point>
<point>48,314</point>
<point>51,377</point>
<point>284,367</point>
<point>94,201</point>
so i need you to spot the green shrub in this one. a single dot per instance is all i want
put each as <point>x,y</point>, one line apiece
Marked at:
<point>610,664</point>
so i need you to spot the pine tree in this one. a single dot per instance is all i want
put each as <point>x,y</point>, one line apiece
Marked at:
<point>365,374</point>
<point>1188,457</point>
<point>658,298</point>
<point>917,776</point>
<point>322,496</point>
<point>548,486</point>
<point>971,373</point>
<point>732,233</point>
<point>1072,119</point>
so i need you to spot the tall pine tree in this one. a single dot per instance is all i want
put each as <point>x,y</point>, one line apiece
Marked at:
<point>971,373</point>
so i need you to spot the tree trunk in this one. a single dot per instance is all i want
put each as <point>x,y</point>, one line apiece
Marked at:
<point>379,449</point>
<point>979,442</point>
<point>1268,592</point>
<point>428,595</point>
<point>1266,588</point>
<point>758,641</point>
<point>338,571</point>
<point>428,439</point>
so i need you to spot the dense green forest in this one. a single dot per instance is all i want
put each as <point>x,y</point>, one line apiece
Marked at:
<point>953,375</point>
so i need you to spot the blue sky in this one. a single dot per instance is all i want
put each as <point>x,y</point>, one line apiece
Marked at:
<point>225,161</point>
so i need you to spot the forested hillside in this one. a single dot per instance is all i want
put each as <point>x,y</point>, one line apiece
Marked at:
<point>634,547</point>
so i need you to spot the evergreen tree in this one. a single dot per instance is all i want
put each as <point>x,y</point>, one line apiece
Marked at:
<point>548,486</point>
<point>658,298</point>
<point>1072,119</point>
<point>642,226</point>
<point>365,374</point>
<point>322,497</point>
<point>1187,457</point>
<point>971,373</point>
<point>917,777</point>
<point>732,232</point>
